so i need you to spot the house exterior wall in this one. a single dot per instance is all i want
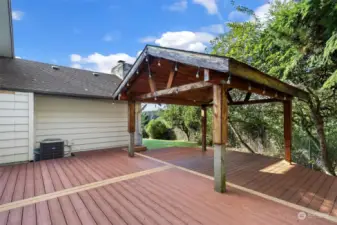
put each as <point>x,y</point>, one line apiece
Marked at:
<point>85,124</point>
<point>16,126</point>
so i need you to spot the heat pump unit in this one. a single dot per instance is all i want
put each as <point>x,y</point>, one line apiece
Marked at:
<point>51,149</point>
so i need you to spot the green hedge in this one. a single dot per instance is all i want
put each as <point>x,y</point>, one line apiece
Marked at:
<point>157,129</point>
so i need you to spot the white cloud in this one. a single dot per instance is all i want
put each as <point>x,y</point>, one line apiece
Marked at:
<point>262,12</point>
<point>99,62</point>
<point>17,57</point>
<point>187,40</point>
<point>148,39</point>
<point>237,16</point>
<point>210,5</point>
<point>178,6</point>
<point>75,58</point>
<point>17,15</point>
<point>214,28</point>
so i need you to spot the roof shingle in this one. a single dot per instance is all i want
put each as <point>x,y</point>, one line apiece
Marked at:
<point>30,76</point>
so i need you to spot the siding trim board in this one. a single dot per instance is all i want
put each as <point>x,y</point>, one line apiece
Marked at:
<point>31,124</point>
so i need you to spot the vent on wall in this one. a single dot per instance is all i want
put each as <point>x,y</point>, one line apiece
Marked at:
<point>55,67</point>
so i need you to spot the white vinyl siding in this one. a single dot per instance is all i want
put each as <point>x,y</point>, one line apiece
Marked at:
<point>85,124</point>
<point>15,124</point>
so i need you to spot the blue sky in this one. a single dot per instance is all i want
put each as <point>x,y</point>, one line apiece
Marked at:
<point>95,34</point>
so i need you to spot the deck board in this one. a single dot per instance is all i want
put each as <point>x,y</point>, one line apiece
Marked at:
<point>67,207</point>
<point>296,184</point>
<point>8,192</point>
<point>65,176</point>
<point>29,212</point>
<point>16,214</point>
<point>167,197</point>
<point>55,210</point>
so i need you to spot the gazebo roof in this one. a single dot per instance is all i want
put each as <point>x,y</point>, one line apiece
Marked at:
<point>171,76</point>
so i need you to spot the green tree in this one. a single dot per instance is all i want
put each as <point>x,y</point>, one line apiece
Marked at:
<point>156,129</point>
<point>297,44</point>
<point>145,120</point>
<point>186,118</point>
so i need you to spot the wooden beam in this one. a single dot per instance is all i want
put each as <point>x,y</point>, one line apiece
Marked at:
<point>220,111</point>
<point>131,126</point>
<point>171,91</point>
<point>287,112</point>
<point>172,101</point>
<point>247,86</point>
<point>259,101</point>
<point>247,72</point>
<point>203,128</point>
<point>171,78</point>
<point>247,96</point>
<point>152,85</point>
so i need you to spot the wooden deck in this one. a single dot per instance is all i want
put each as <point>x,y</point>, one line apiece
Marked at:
<point>168,196</point>
<point>274,177</point>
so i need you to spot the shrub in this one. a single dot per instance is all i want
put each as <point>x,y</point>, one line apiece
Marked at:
<point>169,135</point>
<point>156,129</point>
<point>144,133</point>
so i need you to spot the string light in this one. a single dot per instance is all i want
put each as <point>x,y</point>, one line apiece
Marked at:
<point>285,97</point>
<point>229,79</point>
<point>264,91</point>
<point>137,72</point>
<point>197,75</point>
<point>249,87</point>
<point>177,91</point>
<point>146,59</point>
<point>276,95</point>
<point>128,84</point>
<point>159,63</point>
<point>155,96</point>
<point>176,67</point>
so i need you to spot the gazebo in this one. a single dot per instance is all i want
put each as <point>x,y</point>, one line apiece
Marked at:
<point>171,76</point>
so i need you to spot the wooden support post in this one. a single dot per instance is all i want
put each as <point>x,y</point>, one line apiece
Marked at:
<point>220,129</point>
<point>287,112</point>
<point>203,128</point>
<point>131,126</point>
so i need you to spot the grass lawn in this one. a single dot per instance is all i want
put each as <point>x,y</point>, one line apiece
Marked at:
<point>155,144</point>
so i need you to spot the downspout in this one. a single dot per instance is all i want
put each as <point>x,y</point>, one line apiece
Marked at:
<point>6,28</point>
